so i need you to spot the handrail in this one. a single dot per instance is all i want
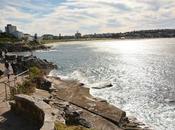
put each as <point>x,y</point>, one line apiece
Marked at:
<point>7,83</point>
<point>22,73</point>
<point>15,77</point>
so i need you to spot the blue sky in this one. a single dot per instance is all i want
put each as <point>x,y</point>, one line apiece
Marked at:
<point>87,16</point>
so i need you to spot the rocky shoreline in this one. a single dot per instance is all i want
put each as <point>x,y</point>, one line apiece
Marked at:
<point>20,47</point>
<point>72,103</point>
<point>96,113</point>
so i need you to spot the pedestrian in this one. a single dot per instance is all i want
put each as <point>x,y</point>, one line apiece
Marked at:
<point>7,70</point>
<point>7,73</point>
<point>6,65</point>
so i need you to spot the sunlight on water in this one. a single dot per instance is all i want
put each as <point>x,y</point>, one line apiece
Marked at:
<point>120,47</point>
<point>142,73</point>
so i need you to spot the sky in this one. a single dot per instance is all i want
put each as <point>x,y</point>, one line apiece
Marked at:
<point>87,16</point>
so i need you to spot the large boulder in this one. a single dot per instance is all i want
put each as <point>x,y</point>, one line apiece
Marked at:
<point>72,117</point>
<point>37,62</point>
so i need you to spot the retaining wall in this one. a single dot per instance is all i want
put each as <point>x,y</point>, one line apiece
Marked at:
<point>35,110</point>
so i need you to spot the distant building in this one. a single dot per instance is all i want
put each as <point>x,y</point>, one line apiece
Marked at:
<point>28,37</point>
<point>60,36</point>
<point>10,29</point>
<point>48,37</point>
<point>77,35</point>
<point>18,34</point>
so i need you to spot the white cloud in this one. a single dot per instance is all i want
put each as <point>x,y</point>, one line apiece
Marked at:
<point>90,16</point>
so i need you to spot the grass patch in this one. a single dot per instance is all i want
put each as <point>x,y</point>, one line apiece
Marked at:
<point>35,72</point>
<point>26,88</point>
<point>61,126</point>
<point>33,43</point>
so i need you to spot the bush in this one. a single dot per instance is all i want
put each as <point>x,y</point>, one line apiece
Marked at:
<point>35,72</point>
<point>4,37</point>
<point>26,88</point>
<point>29,85</point>
<point>33,43</point>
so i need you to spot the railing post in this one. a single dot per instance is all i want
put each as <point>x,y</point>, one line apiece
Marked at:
<point>5,91</point>
<point>14,83</point>
<point>22,78</point>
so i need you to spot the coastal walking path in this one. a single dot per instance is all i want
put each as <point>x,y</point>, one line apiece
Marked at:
<point>8,120</point>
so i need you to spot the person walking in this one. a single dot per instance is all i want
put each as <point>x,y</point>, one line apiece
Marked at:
<point>6,65</point>
<point>7,70</point>
<point>7,73</point>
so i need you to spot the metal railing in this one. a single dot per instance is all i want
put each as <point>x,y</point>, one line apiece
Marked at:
<point>11,84</point>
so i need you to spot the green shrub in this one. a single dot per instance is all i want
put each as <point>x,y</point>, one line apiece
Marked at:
<point>33,43</point>
<point>35,72</point>
<point>27,87</point>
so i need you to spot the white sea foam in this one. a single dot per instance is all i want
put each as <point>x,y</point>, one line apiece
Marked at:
<point>101,85</point>
<point>76,75</point>
<point>49,50</point>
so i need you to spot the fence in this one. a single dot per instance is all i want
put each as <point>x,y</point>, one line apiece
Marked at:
<point>10,85</point>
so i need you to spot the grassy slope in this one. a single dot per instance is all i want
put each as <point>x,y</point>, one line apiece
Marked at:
<point>60,126</point>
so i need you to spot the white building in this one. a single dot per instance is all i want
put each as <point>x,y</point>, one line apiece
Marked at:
<point>18,34</point>
<point>77,35</point>
<point>28,37</point>
<point>10,29</point>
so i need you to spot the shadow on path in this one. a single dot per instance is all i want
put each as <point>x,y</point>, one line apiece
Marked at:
<point>11,121</point>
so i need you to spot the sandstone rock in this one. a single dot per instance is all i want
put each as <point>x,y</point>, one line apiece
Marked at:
<point>72,117</point>
<point>36,110</point>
